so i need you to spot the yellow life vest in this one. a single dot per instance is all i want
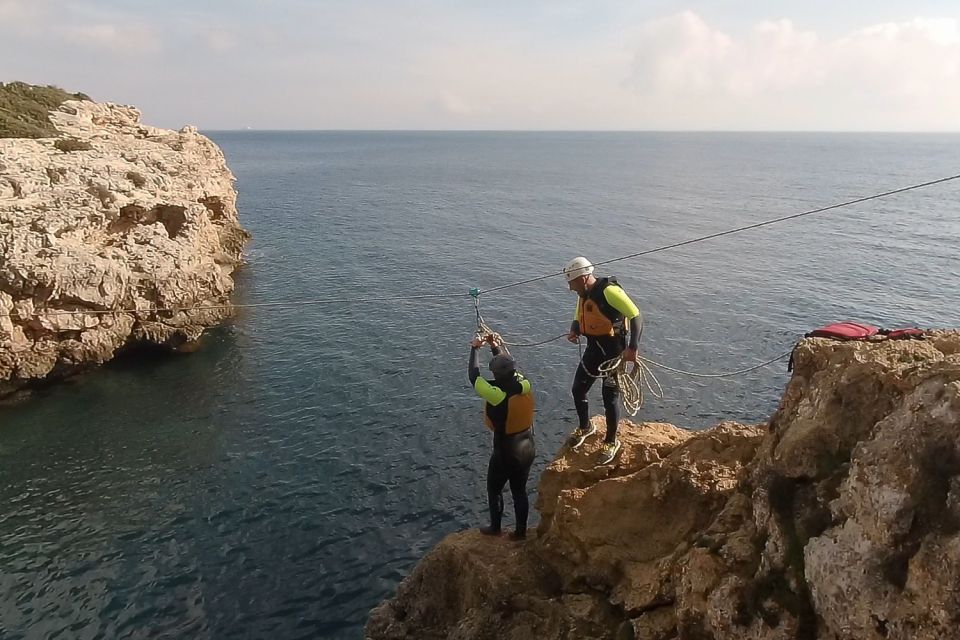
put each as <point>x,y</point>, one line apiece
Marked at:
<point>520,409</point>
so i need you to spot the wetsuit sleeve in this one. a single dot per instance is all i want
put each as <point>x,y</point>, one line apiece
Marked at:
<point>636,328</point>
<point>575,325</point>
<point>488,392</point>
<point>619,300</point>
<point>473,368</point>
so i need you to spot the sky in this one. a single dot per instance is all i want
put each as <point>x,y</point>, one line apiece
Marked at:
<point>727,65</point>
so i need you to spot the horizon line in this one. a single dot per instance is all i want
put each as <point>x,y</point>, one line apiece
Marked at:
<point>724,131</point>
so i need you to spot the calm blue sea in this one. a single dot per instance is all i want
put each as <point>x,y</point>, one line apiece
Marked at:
<point>283,480</point>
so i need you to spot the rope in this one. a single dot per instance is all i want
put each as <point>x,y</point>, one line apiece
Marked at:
<point>289,303</point>
<point>484,332</point>
<point>294,303</point>
<point>718,375</point>
<point>630,382</point>
<point>736,230</point>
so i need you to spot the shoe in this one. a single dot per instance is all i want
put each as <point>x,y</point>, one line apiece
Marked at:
<point>490,531</point>
<point>579,435</point>
<point>609,451</point>
<point>517,536</point>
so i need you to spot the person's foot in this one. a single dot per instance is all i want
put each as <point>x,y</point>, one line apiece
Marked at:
<point>490,531</point>
<point>609,451</point>
<point>517,536</point>
<point>579,435</point>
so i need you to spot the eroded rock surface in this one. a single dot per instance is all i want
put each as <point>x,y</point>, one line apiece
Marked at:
<point>113,215</point>
<point>838,519</point>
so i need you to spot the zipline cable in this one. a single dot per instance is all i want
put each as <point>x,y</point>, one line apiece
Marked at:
<point>732,231</point>
<point>289,303</point>
<point>434,296</point>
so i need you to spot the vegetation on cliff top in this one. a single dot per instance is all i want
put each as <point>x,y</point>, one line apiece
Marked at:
<point>25,109</point>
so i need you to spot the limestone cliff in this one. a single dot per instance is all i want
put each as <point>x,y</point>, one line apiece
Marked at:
<point>100,227</point>
<point>838,519</point>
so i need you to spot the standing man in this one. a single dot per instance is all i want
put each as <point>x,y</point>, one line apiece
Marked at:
<point>508,412</point>
<point>603,310</point>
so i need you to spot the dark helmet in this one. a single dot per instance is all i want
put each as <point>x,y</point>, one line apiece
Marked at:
<point>503,365</point>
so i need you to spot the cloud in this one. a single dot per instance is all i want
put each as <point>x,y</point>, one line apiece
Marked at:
<point>455,105</point>
<point>220,41</point>
<point>895,75</point>
<point>17,9</point>
<point>37,21</point>
<point>129,38</point>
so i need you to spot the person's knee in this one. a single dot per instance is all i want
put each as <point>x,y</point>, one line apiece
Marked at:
<point>578,391</point>
<point>610,394</point>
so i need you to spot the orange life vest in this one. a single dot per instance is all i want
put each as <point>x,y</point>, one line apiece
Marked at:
<point>520,410</point>
<point>597,316</point>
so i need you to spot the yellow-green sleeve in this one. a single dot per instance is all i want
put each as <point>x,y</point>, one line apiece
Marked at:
<point>620,301</point>
<point>525,385</point>
<point>490,393</point>
<point>576,311</point>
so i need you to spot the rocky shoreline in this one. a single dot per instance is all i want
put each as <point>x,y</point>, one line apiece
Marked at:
<point>111,235</point>
<point>840,518</point>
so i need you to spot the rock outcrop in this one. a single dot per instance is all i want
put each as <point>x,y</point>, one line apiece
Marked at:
<point>840,518</point>
<point>110,236</point>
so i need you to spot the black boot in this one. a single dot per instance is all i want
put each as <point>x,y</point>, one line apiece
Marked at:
<point>496,515</point>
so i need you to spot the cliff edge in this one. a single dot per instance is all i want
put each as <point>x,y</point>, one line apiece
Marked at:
<point>99,227</point>
<point>840,518</point>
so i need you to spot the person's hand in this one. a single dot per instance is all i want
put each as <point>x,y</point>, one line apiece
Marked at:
<point>476,343</point>
<point>489,339</point>
<point>629,354</point>
<point>573,336</point>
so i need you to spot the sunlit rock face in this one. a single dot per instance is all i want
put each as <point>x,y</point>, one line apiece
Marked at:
<point>840,518</point>
<point>111,216</point>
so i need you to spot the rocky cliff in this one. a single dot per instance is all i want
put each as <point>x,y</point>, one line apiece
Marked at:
<point>109,234</point>
<point>840,518</point>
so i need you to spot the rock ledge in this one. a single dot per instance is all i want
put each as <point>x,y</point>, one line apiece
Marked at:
<point>838,519</point>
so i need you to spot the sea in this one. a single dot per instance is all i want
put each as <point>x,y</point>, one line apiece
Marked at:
<point>282,480</point>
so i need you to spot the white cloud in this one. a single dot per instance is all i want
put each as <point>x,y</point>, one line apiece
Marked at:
<point>538,65</point>
<point>889,76</point>
<point>129,38</point>
<point>220,41</point>
<point>456,105</point>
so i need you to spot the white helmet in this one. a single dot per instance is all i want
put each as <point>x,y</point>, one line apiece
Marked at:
<point>577,267</point>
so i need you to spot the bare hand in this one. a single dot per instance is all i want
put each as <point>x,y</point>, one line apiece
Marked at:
<point>629,354</point>
<point>573,337</point>
<point>476,343</point>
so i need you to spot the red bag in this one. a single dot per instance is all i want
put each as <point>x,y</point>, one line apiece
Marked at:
<point>845,331</point>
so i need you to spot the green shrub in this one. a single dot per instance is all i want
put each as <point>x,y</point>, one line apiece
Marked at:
<point>25,109</point>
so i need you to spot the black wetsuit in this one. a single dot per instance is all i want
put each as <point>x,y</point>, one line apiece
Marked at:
<point>599,350</point>
<point>511,457</point>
